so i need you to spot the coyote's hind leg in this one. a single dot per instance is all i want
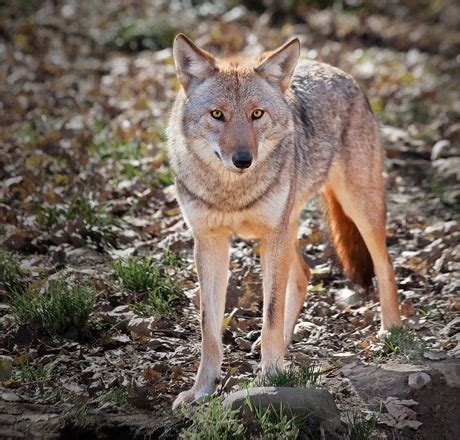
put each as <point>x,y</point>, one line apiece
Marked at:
<point>363,203</point>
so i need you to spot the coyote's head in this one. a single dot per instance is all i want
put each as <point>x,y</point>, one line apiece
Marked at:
<point>235,110</point>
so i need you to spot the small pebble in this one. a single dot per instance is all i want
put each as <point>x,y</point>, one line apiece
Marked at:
<point>419,380</point>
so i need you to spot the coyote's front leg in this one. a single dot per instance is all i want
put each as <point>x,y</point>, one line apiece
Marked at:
<point>211,259</point>
<point>276,254</point>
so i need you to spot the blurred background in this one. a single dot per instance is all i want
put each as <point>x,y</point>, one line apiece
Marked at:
<point>85,92</point>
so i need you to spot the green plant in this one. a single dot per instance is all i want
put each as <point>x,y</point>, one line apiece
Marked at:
<point>274,424</point>
<point>142,275</point>
<point>28,135</point>
<point>119,396</point>
<point>136,274</point>
<point>48,215</point>
<point>292,376</point>
<point>93,220</point>
<point>403,341</point>
<point>157,302</point>
<point>97,222</point>
<point>163,178</point>
<point>10,273</point>
<point>129,171</point>
<point>77,416</point>
<point>36,371</point>
<point>171,258</point>
<point>212,421</point>
<point>359,427</point>
<point>61,308</point>
<point>56,395</point>
<point>132,34</point>
<point>107,145</point>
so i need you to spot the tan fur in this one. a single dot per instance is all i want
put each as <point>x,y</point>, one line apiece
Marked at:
<point>316,133</point>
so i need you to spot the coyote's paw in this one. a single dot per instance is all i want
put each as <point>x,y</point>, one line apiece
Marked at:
<point>188,396</point>
<point>382,334</point>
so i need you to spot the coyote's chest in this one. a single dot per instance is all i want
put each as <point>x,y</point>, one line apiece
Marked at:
<point>248,220</point>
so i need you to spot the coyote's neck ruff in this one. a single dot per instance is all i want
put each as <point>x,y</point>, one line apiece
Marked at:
<point>250,140</point>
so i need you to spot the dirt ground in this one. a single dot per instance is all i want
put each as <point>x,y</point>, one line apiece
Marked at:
<point>85,92</point>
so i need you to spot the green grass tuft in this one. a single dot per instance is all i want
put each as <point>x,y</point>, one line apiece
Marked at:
<point>63,307</point>
<point>211,420</point>
<point>107,145</point>
<point>292,376</point>
<point>94,221</point>
<point>10,273</point>
<point>97,222</point>
<point>404,342</point>
<point>274,424</point>
<point>171,258</point>
<point>119,396</point>
<point>136,274</point>
<point>141,275</point>
<point>163,178</point>
<point>35,372</point>
<point>359,427</point>
<point>77,417</point>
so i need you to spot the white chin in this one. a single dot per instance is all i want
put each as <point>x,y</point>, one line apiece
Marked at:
<point>236,170</point>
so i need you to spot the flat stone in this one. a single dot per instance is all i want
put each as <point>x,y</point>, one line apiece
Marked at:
<point>6,366</point>
<point>435,355</point>
<point>419,380</point>
<point>10,397</point>
<point>302,402</point>
<point>405,368</point>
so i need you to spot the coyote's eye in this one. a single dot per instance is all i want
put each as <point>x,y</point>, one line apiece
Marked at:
<point>257,114</point>
<point>217,114</point>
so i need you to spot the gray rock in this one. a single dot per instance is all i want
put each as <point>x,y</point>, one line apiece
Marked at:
<point>419,380</point>
<point>302,402</point>
<point>435,355</point>
<point>10,397</point>
<point>6,366</point>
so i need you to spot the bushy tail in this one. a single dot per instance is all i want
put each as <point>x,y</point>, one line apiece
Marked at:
<point>348,242</point>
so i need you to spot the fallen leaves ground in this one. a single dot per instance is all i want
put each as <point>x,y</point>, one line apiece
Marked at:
<point>85,181</point>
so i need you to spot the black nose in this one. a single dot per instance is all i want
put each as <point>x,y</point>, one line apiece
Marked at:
<point>242,159</point>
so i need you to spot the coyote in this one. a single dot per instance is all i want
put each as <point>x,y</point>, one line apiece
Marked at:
<point>250,141</point>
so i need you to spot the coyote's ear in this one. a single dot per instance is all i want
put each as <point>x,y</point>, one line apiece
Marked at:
<point>280,64</point>
<point>193,64</point>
